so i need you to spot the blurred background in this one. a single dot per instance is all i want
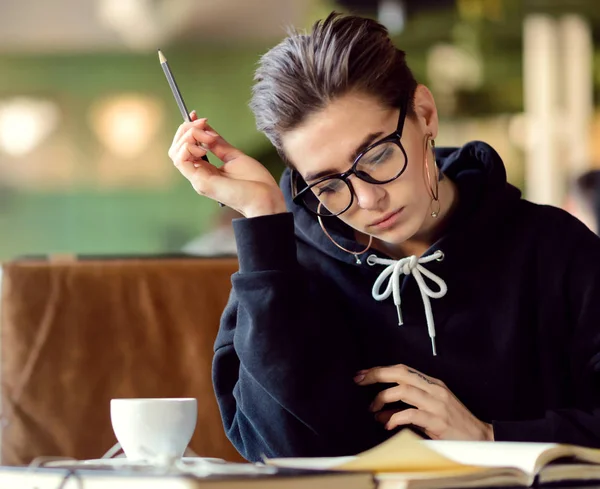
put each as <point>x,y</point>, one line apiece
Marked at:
<point>86,115</point>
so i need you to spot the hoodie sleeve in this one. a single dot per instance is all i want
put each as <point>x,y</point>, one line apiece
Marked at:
<point>284,363</point>
<point>578,423</point>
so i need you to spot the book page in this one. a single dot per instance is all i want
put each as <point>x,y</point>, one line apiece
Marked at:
<point>404,452</point>
<point>320,463</point>
<point>523,456</point>
<point>584,454</point>
<point>570,472</point>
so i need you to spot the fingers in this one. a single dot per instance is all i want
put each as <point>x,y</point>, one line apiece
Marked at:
<point>199,132</point>
<point>407,394</point>
<point>375,375</point>
<point>427,421</point>
<point>436,410</point>
<point>188,159</point>
<point>398,374</point>
<point>195,136</point>
<point>246,185</point>
<point>182,130</point>
<point>221,148</point>
<point>192,152</point>
<point>200,173</point>
<point>384,416</point>
<point>393,419</point>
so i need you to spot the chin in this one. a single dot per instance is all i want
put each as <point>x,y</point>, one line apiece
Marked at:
<point>400,233</point>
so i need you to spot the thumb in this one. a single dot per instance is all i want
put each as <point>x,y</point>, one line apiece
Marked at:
<point>193,116</point>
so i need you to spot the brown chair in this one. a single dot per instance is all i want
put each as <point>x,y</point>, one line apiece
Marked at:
<point>76,333</point>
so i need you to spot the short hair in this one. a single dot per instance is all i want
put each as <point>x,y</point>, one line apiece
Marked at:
<point>307,71</point>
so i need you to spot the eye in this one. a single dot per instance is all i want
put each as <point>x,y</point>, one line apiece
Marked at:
<point>328,187</point>
<point>379,155</point>
<point>324,190</point>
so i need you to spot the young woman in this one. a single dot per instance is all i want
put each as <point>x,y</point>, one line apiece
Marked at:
<point>388,283</point>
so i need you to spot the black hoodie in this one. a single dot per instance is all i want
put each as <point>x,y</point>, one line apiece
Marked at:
<point>518,331</point>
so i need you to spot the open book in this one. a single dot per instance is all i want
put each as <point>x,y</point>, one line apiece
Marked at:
<point>407,461</point>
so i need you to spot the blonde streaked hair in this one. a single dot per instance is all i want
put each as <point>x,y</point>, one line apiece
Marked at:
<point>306,71</point>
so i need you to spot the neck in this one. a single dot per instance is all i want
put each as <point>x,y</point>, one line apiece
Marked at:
<point>432,229</point>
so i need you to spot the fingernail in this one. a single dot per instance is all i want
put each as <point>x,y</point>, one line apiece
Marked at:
<point>211,133</point>
<point>359,378</point>
<point>364,371</point>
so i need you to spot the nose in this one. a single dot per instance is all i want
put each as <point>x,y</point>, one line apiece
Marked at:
<point>368,195</point>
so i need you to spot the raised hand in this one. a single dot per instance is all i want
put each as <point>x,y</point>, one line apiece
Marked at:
<point>242,183</point>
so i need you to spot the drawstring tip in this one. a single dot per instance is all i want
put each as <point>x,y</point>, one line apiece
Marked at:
<point>433,349</point>
<point>400,321</point>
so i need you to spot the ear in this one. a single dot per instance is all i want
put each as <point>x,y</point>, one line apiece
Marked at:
<point>426,111</point>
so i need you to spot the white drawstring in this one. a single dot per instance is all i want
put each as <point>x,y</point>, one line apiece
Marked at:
<point>407,266</point>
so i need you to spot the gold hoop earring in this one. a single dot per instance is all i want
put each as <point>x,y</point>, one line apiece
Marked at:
<point>434,192</point>
<point>356,254</point>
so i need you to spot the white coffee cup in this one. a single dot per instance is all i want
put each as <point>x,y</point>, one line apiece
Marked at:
<point>156,431</point>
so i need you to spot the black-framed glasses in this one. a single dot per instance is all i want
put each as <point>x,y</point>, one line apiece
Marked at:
<point>381,162</point>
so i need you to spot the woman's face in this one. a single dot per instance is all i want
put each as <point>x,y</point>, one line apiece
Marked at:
<point>394,212</point>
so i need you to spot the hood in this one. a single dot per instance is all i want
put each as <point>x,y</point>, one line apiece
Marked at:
<point>484,197</point>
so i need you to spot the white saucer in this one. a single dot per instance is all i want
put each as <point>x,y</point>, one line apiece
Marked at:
<point>195,466</point>
<point>123,462</point>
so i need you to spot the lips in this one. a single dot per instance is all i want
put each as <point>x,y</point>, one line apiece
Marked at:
<point>385,218</point>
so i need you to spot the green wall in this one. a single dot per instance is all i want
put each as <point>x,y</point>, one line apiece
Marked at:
<point>88,219</point>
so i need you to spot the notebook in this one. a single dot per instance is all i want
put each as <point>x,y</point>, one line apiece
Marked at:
<point>407,461</point>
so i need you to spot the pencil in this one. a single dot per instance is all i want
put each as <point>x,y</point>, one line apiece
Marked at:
<point>176,93</point>
<point>174,88</point>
